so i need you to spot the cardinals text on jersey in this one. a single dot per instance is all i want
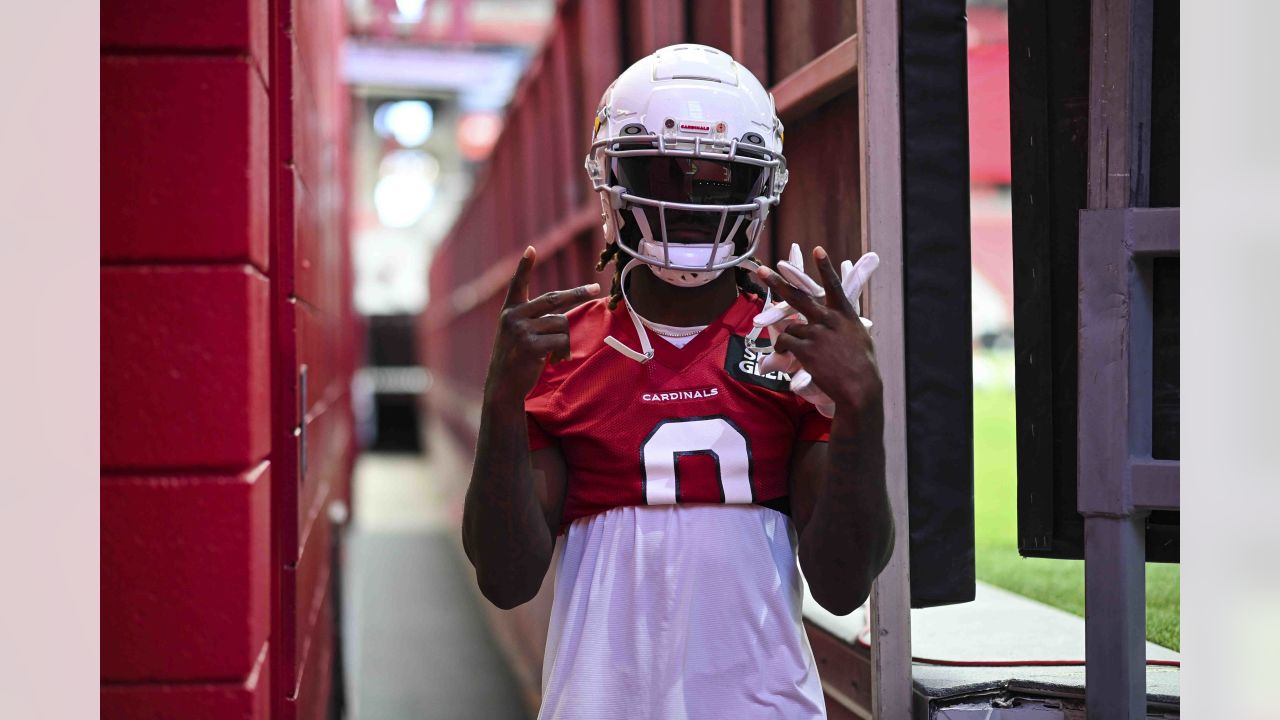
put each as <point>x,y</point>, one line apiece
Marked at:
<point>696,424</point>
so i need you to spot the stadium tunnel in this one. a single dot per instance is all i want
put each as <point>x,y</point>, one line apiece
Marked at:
<point>309,212</point>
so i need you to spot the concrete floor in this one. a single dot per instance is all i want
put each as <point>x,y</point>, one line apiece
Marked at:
<point>416,642</point>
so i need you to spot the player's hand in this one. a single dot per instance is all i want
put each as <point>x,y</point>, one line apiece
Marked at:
<point>852,278</point>
<point>779,316</point>
<point>528,332</point>
<point>828,349</point>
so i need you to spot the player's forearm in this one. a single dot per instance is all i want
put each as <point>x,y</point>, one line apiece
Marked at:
<point>503,528</point>
<point>848,539</point>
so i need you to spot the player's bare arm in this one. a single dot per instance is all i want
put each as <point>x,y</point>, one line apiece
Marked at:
<point>839,500</point>
<point>513,503</point>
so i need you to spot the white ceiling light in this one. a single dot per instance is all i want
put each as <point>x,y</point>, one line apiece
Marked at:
<point>410,10</point>
<point>408,121</point>
<point>402,200</point>
<point>406,188</point>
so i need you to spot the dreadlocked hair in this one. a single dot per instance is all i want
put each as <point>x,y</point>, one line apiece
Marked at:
<point>619,258</point>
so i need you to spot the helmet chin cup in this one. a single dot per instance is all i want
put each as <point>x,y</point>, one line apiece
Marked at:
<point>684,256</point>
<point>685,278</point>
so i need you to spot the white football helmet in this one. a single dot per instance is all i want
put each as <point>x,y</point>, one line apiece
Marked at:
<point>686,155</point>
<point>686,141</point>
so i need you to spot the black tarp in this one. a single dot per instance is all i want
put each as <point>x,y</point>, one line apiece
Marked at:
<point>939,350</point>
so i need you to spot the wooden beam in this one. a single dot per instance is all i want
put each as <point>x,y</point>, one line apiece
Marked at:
<point>823,78</point>
<point>1156,484</point>
<point>653,25</point>
<point>748,30</point>
<point>1153,231</point>
<point>880,167</point>
<point>1114,340</point>
<point>846,673</point>
<point>598,39</point>
<point>1106,320</point>
<point>1114,638</point>
<point>1120,103</point>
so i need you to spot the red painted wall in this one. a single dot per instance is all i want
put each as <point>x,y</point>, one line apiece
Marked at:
<point>225,270</point>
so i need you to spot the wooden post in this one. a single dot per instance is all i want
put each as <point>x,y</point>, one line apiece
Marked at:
<point>880,150</point>
<point>1119,103</point>
<point>1114,548</point>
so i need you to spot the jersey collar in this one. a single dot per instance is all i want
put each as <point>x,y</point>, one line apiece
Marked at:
<point>676,358</point>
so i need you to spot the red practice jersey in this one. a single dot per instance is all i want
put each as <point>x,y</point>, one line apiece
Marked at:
<point>698,424</point>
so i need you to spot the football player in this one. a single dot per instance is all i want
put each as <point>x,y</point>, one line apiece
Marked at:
<point>686,473</point>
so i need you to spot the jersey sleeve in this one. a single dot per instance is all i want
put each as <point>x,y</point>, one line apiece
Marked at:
<point>813,426</point>
<point>538,411</point>
<point>547,407</point>
<point>538,438</point>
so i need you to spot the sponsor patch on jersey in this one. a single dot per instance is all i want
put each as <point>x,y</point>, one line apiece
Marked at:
<point>743,364</point>
<point>667,396</point>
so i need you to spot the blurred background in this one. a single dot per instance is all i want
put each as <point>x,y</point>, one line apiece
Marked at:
<point>308,210</point>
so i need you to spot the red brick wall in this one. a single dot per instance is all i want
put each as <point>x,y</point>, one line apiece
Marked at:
<point>225,269</point>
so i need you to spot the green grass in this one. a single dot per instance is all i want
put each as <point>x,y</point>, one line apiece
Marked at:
<point>1059,583</point>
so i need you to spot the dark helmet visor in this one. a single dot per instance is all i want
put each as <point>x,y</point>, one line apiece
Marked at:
<point>690,180</point>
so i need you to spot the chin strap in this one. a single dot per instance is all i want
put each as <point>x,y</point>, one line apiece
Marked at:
<point>646,348</point>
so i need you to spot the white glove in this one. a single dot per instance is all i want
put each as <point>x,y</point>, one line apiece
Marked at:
<point>779,316</point>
